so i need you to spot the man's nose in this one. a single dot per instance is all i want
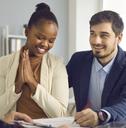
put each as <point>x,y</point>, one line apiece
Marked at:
<point>97,40</point>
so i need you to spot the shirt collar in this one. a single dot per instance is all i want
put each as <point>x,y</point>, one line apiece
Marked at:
<point>106,68</point>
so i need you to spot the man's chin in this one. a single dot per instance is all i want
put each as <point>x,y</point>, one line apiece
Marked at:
<point>99,55</point>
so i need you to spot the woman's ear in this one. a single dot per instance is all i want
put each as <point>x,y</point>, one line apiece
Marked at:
<point>26,31</point>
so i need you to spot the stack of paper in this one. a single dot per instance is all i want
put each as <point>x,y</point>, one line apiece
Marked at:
<point>50,123</point>
<point>59,121</point>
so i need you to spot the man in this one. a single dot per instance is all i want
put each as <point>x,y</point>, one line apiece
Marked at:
<point>98,77</point>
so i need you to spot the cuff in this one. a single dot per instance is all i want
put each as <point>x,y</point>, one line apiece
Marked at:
<point>108,115</point>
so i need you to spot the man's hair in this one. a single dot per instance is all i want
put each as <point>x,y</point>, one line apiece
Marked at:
<point>110,17</point>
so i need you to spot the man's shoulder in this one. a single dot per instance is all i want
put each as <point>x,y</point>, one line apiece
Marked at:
<point>82,54</point>
<point>121,57</point>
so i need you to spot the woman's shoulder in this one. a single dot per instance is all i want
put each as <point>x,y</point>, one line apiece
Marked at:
<point>7,60</point>
<point>54,57</point>
<point>8,57</point>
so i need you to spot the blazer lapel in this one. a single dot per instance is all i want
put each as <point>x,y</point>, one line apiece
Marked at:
<point>44,75</point>
<point>113,76</point>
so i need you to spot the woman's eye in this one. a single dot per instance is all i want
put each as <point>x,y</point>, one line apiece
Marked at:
<point>51,41</point>
<point>40,38</point>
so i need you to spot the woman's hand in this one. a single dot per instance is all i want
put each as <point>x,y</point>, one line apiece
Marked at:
<point>20,75</point>
<point>28,73</point>
<point>9,118</point>
<point>25,74</point>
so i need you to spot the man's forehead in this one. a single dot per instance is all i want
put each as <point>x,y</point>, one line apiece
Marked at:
<point>102,27</point>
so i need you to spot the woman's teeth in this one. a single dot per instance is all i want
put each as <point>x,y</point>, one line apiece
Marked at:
<point>41,50</point>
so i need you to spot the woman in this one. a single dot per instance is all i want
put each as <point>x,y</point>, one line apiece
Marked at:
<point>33,81</point>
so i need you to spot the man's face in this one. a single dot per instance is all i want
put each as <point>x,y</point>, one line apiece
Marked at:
<point>103,40</point>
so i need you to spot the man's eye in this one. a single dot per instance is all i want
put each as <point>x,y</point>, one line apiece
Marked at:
<point>92,34</point>
<point>104,36</point>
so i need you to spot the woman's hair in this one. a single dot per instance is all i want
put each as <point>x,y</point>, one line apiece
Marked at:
<point>111,17</point>
<point>42,12</point>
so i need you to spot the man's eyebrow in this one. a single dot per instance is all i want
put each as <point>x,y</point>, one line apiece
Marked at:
<point>91,30</point>
<point>106,33</point>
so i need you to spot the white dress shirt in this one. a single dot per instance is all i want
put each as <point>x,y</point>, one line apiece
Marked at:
<point>97,80</point>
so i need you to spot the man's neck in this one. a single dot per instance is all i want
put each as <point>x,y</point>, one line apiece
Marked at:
<point>106,60</point>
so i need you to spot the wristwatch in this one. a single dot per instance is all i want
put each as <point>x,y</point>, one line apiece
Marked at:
<point>102,116</point>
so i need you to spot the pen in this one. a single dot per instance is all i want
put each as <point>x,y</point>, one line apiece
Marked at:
<point>41,125</point>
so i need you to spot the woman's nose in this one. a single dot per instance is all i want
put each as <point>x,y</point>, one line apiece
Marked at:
<point>44,42</point>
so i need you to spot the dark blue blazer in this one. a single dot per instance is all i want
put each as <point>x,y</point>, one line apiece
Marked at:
<point>114,92</point>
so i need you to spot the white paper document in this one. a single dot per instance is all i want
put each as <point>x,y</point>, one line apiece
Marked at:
<point>59,121</point>
<point>50,123</point>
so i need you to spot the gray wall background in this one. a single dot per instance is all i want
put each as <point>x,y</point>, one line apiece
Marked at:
<point>15,13</point>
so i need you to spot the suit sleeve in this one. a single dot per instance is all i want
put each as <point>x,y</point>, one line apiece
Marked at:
<point>118,109</point>
<point>117,100</point>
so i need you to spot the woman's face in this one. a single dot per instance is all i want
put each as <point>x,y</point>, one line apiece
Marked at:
<point>41,37</point>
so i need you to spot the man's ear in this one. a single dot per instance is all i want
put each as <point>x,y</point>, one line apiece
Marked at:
<point>120,37</point>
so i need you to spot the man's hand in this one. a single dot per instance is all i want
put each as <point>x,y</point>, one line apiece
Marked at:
<point>9,118</point>
<point>87,117</point>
